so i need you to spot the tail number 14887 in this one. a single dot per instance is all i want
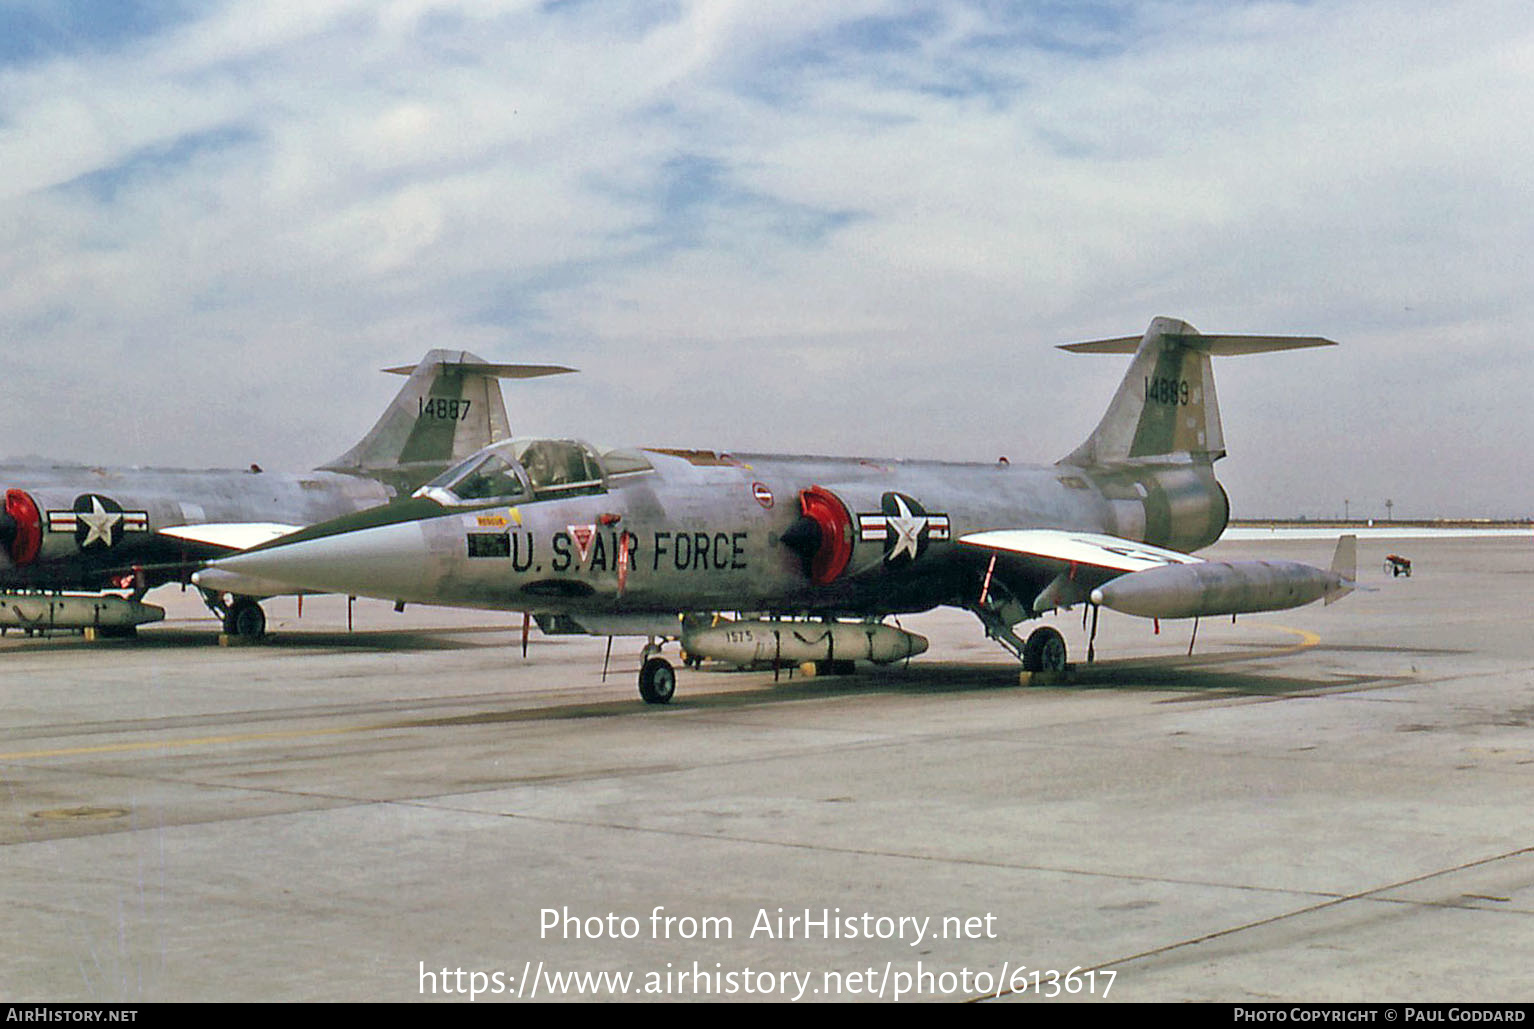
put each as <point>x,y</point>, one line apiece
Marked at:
<point>444,410</point>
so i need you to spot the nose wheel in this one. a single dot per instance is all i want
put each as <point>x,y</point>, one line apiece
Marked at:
<point>657,681</point>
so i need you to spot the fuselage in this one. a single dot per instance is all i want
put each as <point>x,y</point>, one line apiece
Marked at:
<point>81,527</point>
<point>696,531</point>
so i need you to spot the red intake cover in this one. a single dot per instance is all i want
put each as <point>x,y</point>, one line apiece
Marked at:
<point>29,526</point>
<point>835,550</point>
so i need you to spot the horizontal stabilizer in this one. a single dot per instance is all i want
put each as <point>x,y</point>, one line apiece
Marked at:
<point>499,371</point>
<point>1165,407</point>
<point>1217,346</point>
<point>450,407</point>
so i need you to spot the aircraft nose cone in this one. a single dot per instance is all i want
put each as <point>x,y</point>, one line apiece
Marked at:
<point>382,562</point>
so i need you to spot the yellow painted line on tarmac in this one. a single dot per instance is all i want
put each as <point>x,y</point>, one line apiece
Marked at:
<point>202,741</point>
<point>1308,639</point>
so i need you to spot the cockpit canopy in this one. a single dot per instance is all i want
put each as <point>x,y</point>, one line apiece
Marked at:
<point>523,470</point>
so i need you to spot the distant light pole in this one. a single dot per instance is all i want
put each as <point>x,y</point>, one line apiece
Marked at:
<point>1345,503</point>
<point>1388,505</point>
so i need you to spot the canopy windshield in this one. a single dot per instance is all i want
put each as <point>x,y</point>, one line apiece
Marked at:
<point>520,470</point>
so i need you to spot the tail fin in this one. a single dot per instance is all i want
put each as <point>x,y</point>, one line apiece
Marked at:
<point>450,407</point>
<point>1344,569</point>
<point>1166,404</point>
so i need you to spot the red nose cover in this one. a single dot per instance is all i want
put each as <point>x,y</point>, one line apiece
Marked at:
<point>835,550</point>
<point>29,526</point>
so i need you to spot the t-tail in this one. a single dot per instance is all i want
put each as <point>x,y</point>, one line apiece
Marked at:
<point>1153,451</point>
<point>450,407</point>
<point>1166,406</point>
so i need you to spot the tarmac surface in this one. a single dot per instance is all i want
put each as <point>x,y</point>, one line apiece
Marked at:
<point>1327,804</point>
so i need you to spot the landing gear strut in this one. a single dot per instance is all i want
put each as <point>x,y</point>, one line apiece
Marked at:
<point>1043,651</point>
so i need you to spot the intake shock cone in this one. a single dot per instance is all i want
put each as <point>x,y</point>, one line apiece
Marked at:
<point>821,536</point>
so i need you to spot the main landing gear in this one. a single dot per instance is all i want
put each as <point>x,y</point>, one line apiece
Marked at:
<point>242,616</point>
<point>1043,651</point>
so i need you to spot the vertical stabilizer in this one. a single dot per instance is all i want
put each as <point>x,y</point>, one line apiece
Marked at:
<point>1344,568</point>
<point>450,406</point>
<point>1165,407</point>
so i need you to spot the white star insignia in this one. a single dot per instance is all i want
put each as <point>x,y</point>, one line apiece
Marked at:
<point>98,522</point>
<point>907,529</point>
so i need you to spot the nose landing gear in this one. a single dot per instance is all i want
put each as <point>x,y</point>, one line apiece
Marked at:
<point>657,680</point>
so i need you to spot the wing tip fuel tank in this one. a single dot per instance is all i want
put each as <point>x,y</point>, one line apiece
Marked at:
<point>1227,587</point>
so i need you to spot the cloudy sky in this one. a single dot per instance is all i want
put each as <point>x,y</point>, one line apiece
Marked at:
<point>853,227</point>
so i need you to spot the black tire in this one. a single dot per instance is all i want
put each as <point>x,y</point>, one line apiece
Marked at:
<point>1044,651</point>
<point>245,619</point>
<point>657,681</point>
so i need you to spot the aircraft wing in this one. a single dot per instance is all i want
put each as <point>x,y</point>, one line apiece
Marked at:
<point>1093,549</point>
<point>230,535</point>
<point>1078,562</point>
<point>1153,582</point>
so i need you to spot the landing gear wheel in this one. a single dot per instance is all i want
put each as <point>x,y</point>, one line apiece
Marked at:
<point>245,619</point>
<point>1044,651</point>
<point>657,681</point>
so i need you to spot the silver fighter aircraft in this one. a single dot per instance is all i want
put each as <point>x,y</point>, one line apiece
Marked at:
<point>91,530</point>
<point>811,555</point>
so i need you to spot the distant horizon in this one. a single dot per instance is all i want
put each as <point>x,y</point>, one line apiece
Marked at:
<point>1490,521</point>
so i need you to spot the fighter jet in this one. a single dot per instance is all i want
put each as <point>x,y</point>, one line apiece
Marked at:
<point>73,528</point>
<point>782,559</point>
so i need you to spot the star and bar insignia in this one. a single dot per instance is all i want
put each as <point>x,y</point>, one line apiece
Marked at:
<point>904,526</point>
<point>97,521</point>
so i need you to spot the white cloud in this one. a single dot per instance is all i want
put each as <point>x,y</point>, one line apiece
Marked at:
<point>838,227</point>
